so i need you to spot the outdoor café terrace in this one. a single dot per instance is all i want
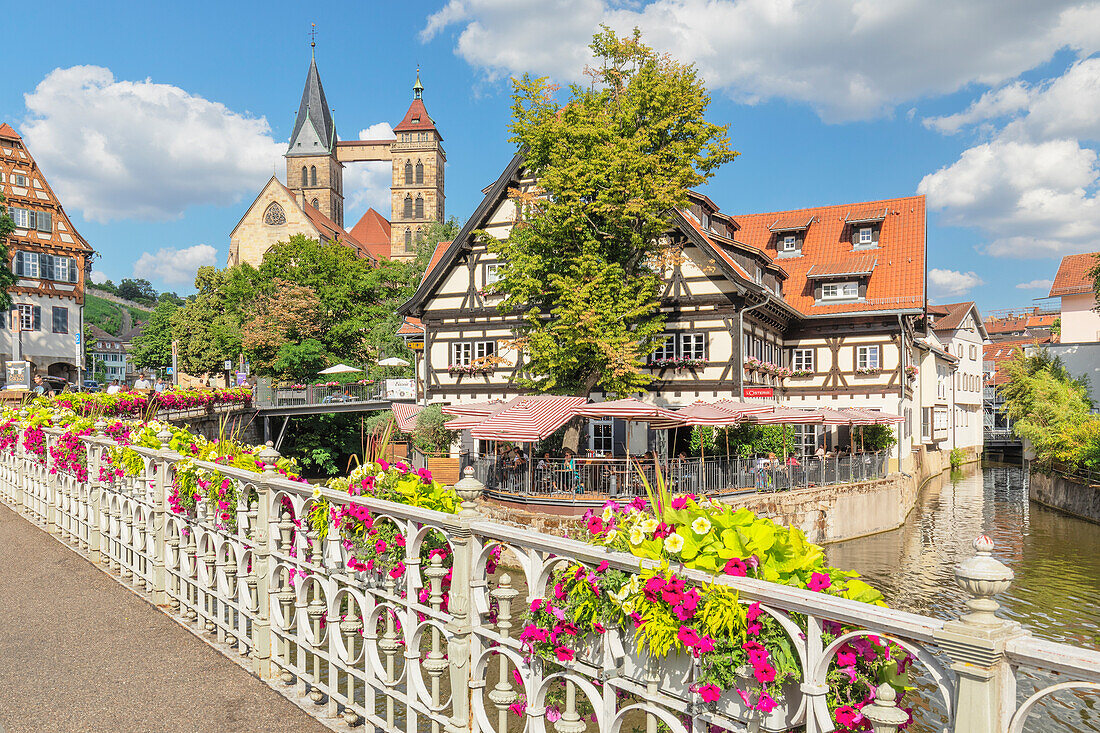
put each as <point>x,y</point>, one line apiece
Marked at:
<point>506,444</point>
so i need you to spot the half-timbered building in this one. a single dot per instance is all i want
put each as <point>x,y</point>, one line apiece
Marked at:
<point>815,307</point>
<point>49,259</point>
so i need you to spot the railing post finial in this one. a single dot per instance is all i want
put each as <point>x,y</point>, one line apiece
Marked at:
<point>982,577</point>
<point>469,489</point>
<point>884,713</point>
<point>268,457</point>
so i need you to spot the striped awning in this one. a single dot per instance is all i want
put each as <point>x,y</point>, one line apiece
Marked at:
<point>405,415</point>
<point>787,416</point>
<point>707,415</point>
<point>631,409</point>
<point>529,419</point>
<point>879,417</point>
<point>743,408</point>
<point>475,408</point>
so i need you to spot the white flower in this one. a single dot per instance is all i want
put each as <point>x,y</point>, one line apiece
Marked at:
<point>608,514</point>
<point>636,536</point>
<point>317,493</point>
<point>628,607</point>
<point>674,543</point>
<point>700,526</point>
<point>648,525</point>
<point>381,476</point>
<point>610,536</point>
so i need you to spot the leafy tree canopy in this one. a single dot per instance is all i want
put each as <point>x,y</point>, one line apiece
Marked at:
<point>1047,405</point>
<point>612,162</point>
<point>139,290</point>
<point>153,347</point>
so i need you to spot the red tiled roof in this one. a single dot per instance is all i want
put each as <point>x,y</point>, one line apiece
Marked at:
<point>1006,324</point>
<point>373,232</point>
<point>999,352</point>
<point>791,223</point>
<point>860,264</point>
<point>329,228</point>
<point>437,255</point>
<point>411,326</point>
<point>953,314</point>
<point>898,280</point>
<point>873,213</point>
<point>6,130</point>
<point>416,119</point>
<point>1073,274</point>
<point>719,248</point>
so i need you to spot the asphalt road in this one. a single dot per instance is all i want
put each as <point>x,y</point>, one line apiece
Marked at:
<point>81,654</point>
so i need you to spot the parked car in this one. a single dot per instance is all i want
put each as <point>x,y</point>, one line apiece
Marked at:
<point>90,385</point>
<point>55,384</point>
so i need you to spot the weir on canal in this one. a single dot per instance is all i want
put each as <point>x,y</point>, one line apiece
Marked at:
<point>363,653</point>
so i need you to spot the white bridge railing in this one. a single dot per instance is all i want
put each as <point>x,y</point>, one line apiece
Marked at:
<point>387,654</point>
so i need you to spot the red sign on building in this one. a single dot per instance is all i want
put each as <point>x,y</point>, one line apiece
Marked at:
<point>758,391</point>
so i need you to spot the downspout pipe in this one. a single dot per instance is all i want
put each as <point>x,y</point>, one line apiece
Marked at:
<point>741,342</point>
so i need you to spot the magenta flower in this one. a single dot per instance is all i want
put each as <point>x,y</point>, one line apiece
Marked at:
<point>764,672</point>
<point>710,693</point>
<point>848,716</point>
<point>819,582</point>
<point>766,704</point>
<point>564,654</point>
<point>736,567</point>
<point>688,636</point>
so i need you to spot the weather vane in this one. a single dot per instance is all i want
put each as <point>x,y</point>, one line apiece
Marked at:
<point>313,35</point>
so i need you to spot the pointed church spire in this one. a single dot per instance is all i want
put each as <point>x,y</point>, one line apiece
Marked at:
<point>418,88</point>
<point>314,131</point>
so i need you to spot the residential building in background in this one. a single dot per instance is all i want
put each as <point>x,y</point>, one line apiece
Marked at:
<point>1075,289</point>
<point>49,258</point>
<point>312,200</point>
<point>109,355</point>
<point>1014,324</point>
<point>958,326</point>
<point>836,294</point>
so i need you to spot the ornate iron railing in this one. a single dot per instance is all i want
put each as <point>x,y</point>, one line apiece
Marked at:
<point>390,655</point>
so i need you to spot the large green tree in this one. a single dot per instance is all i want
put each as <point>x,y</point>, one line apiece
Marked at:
<point>7,277</point>
<point>153,347</point>
<point>613,161</point>
<point>1094,274</point>
<point>1045,403</point>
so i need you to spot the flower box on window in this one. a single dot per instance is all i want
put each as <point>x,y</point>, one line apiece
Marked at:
<point>471,369</point>
<point>868,371</point>
<point>677,363</point>
<point>799,373</point>
<point>911,372</point>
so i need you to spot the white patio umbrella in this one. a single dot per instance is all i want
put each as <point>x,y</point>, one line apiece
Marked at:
<point>339,369</point>
<point>394,361</point>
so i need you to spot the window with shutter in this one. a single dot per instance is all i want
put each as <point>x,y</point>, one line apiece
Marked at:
<point>419,172</point>
<point>37,318</point>
<point>419,207</point>
<point>44,221</point>
<point>17,263</point>
<point>47,268</point>
<point>60,319</point>
<point>72,270</point>
<point>408,172</point>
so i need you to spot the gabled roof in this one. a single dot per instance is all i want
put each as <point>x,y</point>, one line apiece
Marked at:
<point>373,232</point>
<point>1073,275</point>
<point>314,110</point>
<point>897,283</point>
<point>416,119</point>
<point>953,315</point>
<point>446,252</point>
<point>1041,320</point>
<point>7,131</point>
<point>411,327</point>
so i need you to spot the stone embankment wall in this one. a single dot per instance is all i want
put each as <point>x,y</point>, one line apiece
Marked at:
<point>825,513</point>
<point>1069,495</point>
<point>242,426</point>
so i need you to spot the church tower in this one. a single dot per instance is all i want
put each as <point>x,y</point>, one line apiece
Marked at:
<point>417,190</point>
<point>313,172</point>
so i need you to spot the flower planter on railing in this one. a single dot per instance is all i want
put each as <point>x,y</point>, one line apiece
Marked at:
<point>459,369</point>
<point>677,364</point>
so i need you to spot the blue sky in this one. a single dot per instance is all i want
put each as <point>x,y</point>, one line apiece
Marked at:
<point>157,124</point>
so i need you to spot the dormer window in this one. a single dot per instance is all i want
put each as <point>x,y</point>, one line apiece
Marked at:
<point>866,237</point>
<point>840,291</point>
<point>790,243</point>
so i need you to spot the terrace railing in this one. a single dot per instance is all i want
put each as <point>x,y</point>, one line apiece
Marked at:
<point>312,395</point>
<point>585,478</point>
<point>387,654</point>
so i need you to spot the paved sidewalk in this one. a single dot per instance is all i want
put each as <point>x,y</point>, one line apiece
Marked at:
<point>81,654</point>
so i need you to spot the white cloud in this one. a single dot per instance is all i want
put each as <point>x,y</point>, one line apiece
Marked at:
<point>99,277</point>
<point>175,266</point>
<point>991,105</point>
<point>378,131</point>
<point>1035,285</point>
<point>140,150</point>
<point>849,59</point>
<point>951,283</point>
<point>1032,188</point>
<point>368,184</point>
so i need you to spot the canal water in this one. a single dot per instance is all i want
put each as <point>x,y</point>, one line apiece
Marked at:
<point>1056,559</point>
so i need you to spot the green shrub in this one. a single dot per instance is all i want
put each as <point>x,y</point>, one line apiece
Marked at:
<point>958,456</point>
<point>430,434</point>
